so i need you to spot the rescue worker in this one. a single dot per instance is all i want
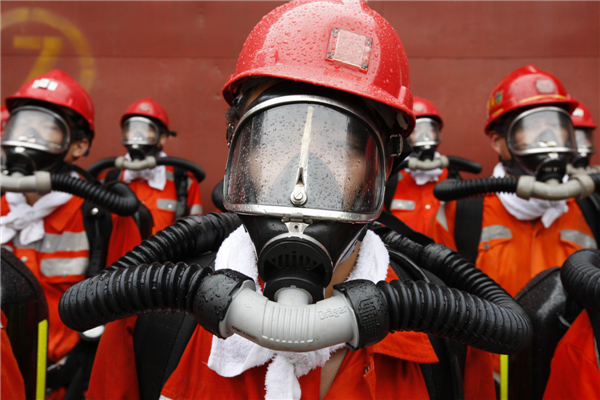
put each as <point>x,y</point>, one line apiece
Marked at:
<point>51,125</point>
<point>584,135</point>
<point>316,118</point>
<point>413,201</point>
<point>529,126</point>
<point>145,130</point>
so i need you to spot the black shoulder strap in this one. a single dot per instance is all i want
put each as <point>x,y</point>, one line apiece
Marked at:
<point>590,208</point>
<point>159,341</point>
<point>467,227</point>
<point>180,178</point>
<point>595,321</point>
<point>396,224</point>
<point>98,228</point>
<point>390,190</point>
<point>112,175</point>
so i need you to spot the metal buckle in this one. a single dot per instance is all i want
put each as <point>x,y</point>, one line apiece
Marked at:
<point>395,145</point>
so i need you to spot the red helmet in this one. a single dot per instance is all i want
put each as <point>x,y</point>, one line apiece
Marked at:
<point>56,87</point>
<point>424,108</point>
<point>343,45</point>
<point>148,108</point>
<point>524,87</point>
<point>582,117</point>
<point>4,114</point>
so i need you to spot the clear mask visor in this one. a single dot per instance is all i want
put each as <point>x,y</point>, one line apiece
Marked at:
<point>36,128</point>
<point>140,131</point>
<point>305,158</point>
<point>426,133</point>
<point>542,130</point>
<point>585,140</point>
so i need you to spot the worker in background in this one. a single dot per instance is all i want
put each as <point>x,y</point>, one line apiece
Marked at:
<point>529,127</point>
<point>313,132</point>
<point>409,193</point>
<point>145,130</point>
<point>51,125</point>
<point>584,135</point>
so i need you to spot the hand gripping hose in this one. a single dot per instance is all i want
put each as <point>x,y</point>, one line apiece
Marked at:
<point>360,312</point>
<point>148,162</point>
<point>580,275</point>
<point>578,186</point>
<point>119,199</point>
<point>490,318</point>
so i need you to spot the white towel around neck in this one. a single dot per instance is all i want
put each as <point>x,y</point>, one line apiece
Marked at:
<point>422,177</point>
<point>156,177</point>
<point>527,210</point>
<point>28,220</point>
<point>234,355</point>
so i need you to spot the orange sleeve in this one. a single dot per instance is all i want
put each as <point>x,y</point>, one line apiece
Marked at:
<point>193,198</point>
<point>12,385</point>
<point>574,372</point>
<point>114,375</point>
<point>478,379</point>
<point>125,236</point>
<point>441,225</point>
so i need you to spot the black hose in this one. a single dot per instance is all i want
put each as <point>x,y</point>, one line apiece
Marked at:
<point>119,200</point>
<point>195,169</point>
<point>101,165</point>
<point>596,179</point>
<point>217,196</point>
<point>462,164</point>
<point>452,189</point>
<point>580,275</point>
<point>491,321</point>
<point>188,237</point>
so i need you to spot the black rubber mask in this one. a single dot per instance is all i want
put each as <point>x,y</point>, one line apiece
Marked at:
<point>300,254</point>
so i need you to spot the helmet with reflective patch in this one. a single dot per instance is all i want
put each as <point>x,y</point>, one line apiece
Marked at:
<point>148,108</point>
<point>525,87</point>
<point>58,88</point>
<point>342,45</point>
<point>425,108</point>
<point>582,117</point>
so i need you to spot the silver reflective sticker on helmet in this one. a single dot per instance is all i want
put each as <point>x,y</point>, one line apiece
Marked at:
<point>349,48</point>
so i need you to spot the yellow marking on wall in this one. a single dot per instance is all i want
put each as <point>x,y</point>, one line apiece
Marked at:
<point>49,45</point>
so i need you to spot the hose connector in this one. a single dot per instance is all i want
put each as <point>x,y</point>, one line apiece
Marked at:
<point>579,186</point>
<point>39,182</point>
<point>428,165</point>
<point>135,165</point>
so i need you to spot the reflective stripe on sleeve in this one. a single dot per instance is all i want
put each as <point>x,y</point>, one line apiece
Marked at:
<point>580,238</point>
<point>440,216</point>
<point>403,205</point>
<point>165,204</point>
<point>196,209</point>
<point>64,266</point>
<point>68,241</point>
<point>495,232</point>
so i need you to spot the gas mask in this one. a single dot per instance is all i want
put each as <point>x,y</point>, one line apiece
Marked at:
<point>34,139</point>
<point>585,147</point>
<point>306,174</point>
<point>140,135</point>
<point>541,142</point>
<point>425,138</point>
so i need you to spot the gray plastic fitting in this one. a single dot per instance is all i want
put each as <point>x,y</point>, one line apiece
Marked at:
<point>290,324</point>
<point>578,186</point>
<point>135,165</point>
<point>38,182</point>
<point>594,169</point>
<point>428,165</point>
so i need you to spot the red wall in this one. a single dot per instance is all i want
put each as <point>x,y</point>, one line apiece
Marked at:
<point>181,53</point>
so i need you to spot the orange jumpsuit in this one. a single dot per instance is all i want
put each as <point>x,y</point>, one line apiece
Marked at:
<point>12,385</point>
<point>388,369</point>
<point>60,259</point>
<point>574,370</point>
<point>512,251</point>
<point>415,204</point>
<point>162,203</point>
